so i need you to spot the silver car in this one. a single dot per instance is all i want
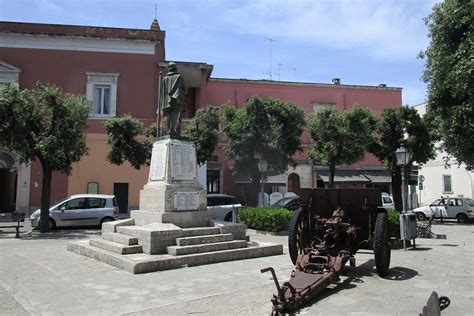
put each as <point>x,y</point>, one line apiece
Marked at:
<point>460,208</point>
<point>222,205</point>
<point>81,210</point>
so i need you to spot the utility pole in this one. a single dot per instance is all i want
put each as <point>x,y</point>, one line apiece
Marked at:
<point>270,40</point>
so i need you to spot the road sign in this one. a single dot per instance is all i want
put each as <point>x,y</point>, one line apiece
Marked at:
<point>421,178</point>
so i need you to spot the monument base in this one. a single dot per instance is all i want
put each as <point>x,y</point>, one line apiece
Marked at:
<point>183,219</point>
<point>158,196</point>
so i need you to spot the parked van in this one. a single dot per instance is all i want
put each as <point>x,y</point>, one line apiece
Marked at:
<point>387,201</point>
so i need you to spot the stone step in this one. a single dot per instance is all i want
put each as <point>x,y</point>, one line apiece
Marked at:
<point>218,246</point>
<point>206,239</point>
<point>201,231</point>
<point>120,239</point>
<point>115,247</point>
<point>143,263</point>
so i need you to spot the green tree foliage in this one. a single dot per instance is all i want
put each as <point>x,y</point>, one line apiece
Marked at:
<point>44,124</point>
<point>130,141</point>
<point>123,136</point>
<point>449,74</point>
<point>266,129</point>
<point>340,137</point>
<point>398,127</point>
<point>203,131</point>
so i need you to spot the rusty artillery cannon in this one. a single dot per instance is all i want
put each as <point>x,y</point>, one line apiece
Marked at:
<point>325,233</point>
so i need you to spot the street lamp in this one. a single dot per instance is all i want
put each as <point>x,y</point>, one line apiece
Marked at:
<point>403,158</point>
<point>262,167</point>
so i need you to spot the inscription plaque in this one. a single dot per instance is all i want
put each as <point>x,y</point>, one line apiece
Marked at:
<point>183,162</point>
<point>158,162</point>
<point>186,201</point>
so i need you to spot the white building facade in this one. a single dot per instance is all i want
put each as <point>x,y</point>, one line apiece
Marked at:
<point>441,180</point>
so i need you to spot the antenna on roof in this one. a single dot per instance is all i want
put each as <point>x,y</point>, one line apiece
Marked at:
<point>270,40</point>
<point>288,68</point>
<point>156,6</point>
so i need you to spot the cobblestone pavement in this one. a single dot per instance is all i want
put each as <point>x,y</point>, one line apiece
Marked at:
<point>39,277</point>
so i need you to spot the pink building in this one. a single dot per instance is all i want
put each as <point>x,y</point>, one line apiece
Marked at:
<point>118,69</point>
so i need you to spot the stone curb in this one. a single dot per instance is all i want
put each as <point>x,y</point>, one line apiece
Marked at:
<point>263,232</point>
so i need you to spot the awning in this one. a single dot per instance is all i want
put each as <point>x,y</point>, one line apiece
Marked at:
<point>377,176</point>
<point>279,179</point>
<point>343,176</point>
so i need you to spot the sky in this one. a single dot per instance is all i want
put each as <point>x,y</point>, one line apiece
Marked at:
<point>363,42</point>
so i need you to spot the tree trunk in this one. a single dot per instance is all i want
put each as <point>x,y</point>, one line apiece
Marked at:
<point>332,173</point>
<point>396,189</point>
<point>45,198</point>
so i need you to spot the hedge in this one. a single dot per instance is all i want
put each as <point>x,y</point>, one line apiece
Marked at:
<point>394,224</point>
<point>265,218</point>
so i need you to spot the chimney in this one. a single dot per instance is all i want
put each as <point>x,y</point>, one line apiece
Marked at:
<point>336,80</point>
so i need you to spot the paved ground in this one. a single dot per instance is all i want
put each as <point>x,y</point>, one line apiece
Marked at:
<point>39,277</point>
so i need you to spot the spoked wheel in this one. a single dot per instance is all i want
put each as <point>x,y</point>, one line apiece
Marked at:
<point>299,238</point>
<point>381,245</point>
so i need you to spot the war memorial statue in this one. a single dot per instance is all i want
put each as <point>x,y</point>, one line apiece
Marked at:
<point>172,99</point>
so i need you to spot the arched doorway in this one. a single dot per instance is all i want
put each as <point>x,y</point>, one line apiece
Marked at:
<point>294,183</point>
<point>8,182</point>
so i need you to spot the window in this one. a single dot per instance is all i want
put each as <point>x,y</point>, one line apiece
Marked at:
<point>459,202</point>
<point>102,100</point>
<point>75,204</point>
<point>213,181</point>
<point>102,92</point>
<point>96,203</point>
<point>387,200</point>
<point>447,188</point>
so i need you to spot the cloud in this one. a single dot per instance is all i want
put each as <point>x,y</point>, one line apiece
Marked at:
<point>391,30</point>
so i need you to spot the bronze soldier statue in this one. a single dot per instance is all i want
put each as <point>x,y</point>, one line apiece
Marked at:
<point>172,99</point>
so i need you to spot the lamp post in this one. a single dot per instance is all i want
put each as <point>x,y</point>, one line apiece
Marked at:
<point>262,167</point>
<point>403,157</point>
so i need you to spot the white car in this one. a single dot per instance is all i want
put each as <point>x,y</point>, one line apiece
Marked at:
<point>80,210</point>
<point>460,208</point>
<point>222,206</point>
<point>387,202</point>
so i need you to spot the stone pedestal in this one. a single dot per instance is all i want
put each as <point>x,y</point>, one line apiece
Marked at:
<point>173,193</point>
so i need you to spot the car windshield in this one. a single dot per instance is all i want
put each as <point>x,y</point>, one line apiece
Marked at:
<point>282,202</point>
<point>438,202</point>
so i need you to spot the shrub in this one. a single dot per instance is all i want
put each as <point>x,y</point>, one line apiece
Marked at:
<point>394,224</point>
<point>265,218</point>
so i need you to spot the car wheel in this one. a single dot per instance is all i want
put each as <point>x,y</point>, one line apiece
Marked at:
<point>106,219</point>
<point>420,217</point>
<point>462,218</point>
<point>52,224</point>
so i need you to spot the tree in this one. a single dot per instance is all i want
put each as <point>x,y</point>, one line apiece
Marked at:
<point>398,127</point>
<point>203,131</point>
<point>340,137</point>
<point>449,73</point>
<point>131,141</point>
<point>266,129</point>
<point>47,125</point>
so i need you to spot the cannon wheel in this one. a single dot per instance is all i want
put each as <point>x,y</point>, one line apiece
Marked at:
<point>298,236</point>
<point>381,245</point>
